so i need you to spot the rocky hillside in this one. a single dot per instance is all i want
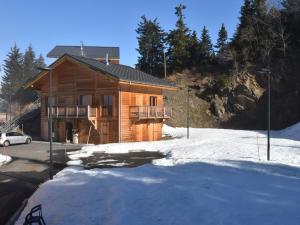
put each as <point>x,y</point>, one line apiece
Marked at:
<point>216,101</point>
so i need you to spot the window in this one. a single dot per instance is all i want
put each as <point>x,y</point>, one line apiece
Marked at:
<point>47,101</point>
<point>84,100</point>
<point>9,134</point>
<point>107,105</point>
<point>153,101</point>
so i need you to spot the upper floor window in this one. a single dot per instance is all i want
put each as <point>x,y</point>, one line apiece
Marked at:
<point>84,100</point>
<point>153,101</point>
<point>107,105</point>
<point>47,101</point>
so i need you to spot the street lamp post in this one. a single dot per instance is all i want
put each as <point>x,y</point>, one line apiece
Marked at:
<point>165,65</point>
<point>188,113</point>
<point>269,114</point>
<point>50,105</point>
<point>268,72</point>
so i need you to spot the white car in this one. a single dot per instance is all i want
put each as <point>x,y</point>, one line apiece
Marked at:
<point>9,138</point>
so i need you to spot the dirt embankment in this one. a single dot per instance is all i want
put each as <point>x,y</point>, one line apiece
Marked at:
<point>215,101</point>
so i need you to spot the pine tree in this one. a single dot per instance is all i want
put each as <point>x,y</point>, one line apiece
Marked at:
<point>38,63</point>
<point>13,73</point>
<point>222,43</point>
<point>178,40</point>
<point>244,34</point>
<point>29,69</point>
<point>151,40</point>
<point>205,48</point>
<point>193,49</point>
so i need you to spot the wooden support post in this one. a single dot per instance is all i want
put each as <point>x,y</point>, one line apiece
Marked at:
<point>87,142</point>
<point>88,111</point>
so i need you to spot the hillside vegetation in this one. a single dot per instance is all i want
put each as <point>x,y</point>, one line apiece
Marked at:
<point>236,101</point>
<point>228,78</point>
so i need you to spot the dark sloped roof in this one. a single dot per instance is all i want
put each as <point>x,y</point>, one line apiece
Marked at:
<point>122,72</point>
<point>89,51</point>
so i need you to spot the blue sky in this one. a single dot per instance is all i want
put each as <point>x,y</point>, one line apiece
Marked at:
<point>45,24</point>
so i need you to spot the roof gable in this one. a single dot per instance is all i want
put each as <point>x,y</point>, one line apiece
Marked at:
<point>117,71</point>
<point>122,72</point>
<point>94,52</point>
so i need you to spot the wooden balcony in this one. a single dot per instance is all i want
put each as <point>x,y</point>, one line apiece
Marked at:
<point>74,111</point>
<point>150,112</point>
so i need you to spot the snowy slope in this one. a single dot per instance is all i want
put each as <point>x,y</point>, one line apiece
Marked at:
<point>213,178</point>
<point>212,145</point>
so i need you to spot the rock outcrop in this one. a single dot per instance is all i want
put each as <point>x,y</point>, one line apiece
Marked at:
<point>230,95</point>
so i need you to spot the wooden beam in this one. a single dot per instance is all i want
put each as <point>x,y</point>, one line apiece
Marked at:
<point>130,83</point>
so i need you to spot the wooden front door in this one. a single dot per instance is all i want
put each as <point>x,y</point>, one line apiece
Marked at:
<point>139,126</point>
<point>69,131</point>
<point>150,131</point>
<point>104,132</point>
<point>139,132</point>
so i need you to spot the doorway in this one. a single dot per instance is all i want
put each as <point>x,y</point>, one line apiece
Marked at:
<point>69,132</point>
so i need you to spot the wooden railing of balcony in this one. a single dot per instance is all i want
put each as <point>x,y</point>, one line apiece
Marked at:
<point>74,111</point>
<point>150,112</point>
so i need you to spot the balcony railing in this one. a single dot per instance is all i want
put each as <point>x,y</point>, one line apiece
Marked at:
<point>150,112</point>
<point>73,111</point>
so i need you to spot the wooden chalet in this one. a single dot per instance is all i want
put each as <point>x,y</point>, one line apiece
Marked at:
<point>101,102</point>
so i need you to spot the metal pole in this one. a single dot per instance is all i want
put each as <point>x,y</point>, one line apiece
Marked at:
<point>9,110</point>
<point>188,114</point>
<point>269,116</point>
<point>165,65</point>
<point>50,123</point>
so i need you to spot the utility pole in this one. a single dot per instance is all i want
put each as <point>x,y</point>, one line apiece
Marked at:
<point>50,121</point>
<point>50,105</point>
<point>267,72</point>
<point>188,113</point>
<point>9,108</point>
<point>269,114</point>
<point>165,65</point>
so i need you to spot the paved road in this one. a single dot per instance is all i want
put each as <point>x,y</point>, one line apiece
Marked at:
<point>29,168</point>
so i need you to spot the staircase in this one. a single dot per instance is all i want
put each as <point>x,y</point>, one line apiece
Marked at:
<point>16,121</point>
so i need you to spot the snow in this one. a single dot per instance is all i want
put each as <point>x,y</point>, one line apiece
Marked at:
<point>211,145</point>
<point>216,177</point>
<point>4,159</point>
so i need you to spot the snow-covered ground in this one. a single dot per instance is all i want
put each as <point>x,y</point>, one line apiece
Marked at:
<point>211,145</point>
<point>4,159</point>
<point>216,177</point>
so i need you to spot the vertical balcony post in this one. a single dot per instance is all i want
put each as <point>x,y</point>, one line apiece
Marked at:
<point>88,111</point>
<point>77,113</point>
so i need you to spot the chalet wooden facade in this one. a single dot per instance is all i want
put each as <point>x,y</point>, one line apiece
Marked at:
<point>101,102</point>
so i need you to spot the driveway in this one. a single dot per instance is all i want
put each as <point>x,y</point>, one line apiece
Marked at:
<point>27,170</point>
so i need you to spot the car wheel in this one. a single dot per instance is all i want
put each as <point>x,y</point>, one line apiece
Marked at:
<point>28,141</point>
<point>6,143</point>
